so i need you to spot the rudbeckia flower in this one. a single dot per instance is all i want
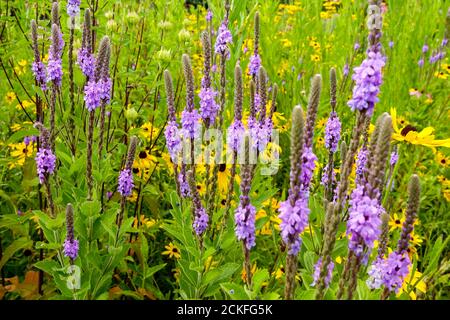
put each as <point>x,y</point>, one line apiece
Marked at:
<point>411,135</point>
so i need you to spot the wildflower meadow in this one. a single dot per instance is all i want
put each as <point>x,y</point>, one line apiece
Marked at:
<point>224,150</point>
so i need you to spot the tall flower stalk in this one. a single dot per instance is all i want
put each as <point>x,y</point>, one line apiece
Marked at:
<point>292,221</point>
<point>224,38</point>
<point>245,213</point>
<point>235,134</point>
<point>171,132</point>
<point>126,182</point>
<point>73,9</point>
<point>46,164</point>
<point>70,244</point>
<point>368,80</point>
<point>97,93</point>
<point>54,69</point>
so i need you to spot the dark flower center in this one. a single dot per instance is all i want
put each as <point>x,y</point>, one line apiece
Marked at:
<point>397,221</point>
<point>142,154</point>
<point>443,161</point>
<point>199,187</point>
<point>175,250</point>
<point>222,167</point>
<point>136,170</point>
<point>407,129</point>
<point>223,202</point>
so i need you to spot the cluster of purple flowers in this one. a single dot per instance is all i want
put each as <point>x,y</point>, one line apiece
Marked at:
<point>389,272</point>
<point>45,162</point>
<point>71,247</point>
<point>208,104</point>
<point>86,61</point>
<point>294,220</point>
<point>255,64</point>
<point>235,135</point>
<point>332,132</point>
<point>364,221</point>
<point>316,274</point>
<point>368,79</point>
<point>184,185</point>
<point>190,123</point>
<point>173,141</point>
<point>97,91</point>
<point>224,37</point>
<point>54,67</point>
<point>73,7</point>
<point>200,221</point>
<point>308,165</point>
<point>361,163</point>
<point>126,183</point>
<point>245,223</point>
<point>40,73</point>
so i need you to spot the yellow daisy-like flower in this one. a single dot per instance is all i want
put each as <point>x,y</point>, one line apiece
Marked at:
<point>442,159</point>
<point>444,181</point>
<point>279,273</point>
<point>148,131</point>
<point>414,239</point>
<point>315,58</point>
<point>395,222</point>
<point>172,251</point>
<point>223,177</point>
<point>321,123</point>
<point>446,67</point>
<point>411,135</point>
<point>338,260</point>
<point>441,75</point>
<point>412,283</point>
<point>10,97</point>
<point>20,152</point>
<point>144,221</point>
<point>201,189</point>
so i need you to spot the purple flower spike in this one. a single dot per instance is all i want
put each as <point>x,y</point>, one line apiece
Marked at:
<point>224,37</point>
<point>235,135</point>
<point>40,73</point>
<point>46,162</point>
<point>73,7</point>
<point>364,221</point>
<point>332,132</point>
<point>245,224</point>
<point>294,220</point>
<point>92,95</point>
<point>208,105</point>
<point>255,65</point>
<point>368,80</point>
<point>173,140</point>
<point>86,61</point>
<point>71,248</point>
<point>201,220</point>
<point>126,183</point>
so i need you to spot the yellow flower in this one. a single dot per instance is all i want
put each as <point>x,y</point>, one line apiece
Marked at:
<point>201,189</point>
<point>320,141</point>
<point>321,123</point>
<point>411,283</point>
<point>286,43</point>
<point>20,152</point>
<point>442,159</point>
<point>415,239</point>
<point>10,97</point>
<point>395,222</point>
<point>148,131</point>
<point>144,221</point>
<point>444,181</point>
<point>411,135</point>
<point>172,251</point>
<point>244,273</point>
<point>338,260</point>
<point>260,214</point>
<point>132,197</point>
<point>279,273</point>
<point>278,119</point>
<point>315,57</point>
<point>441,75</point>
<point>223,177</point>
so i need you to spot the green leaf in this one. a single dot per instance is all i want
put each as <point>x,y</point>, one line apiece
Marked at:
<point>258,278</point>
<point>15,246</point>
<point>151,271</point>
<point>234,291</point>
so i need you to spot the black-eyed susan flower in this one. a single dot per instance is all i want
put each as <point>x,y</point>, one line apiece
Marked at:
<point>20,152</point>
<point>411,135</point>
<point>223,177</point>
<point>172,251</point>
<point>442,160</point>
<point>396,222</point>
<point>412,283</point>
<point>10,97</point>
